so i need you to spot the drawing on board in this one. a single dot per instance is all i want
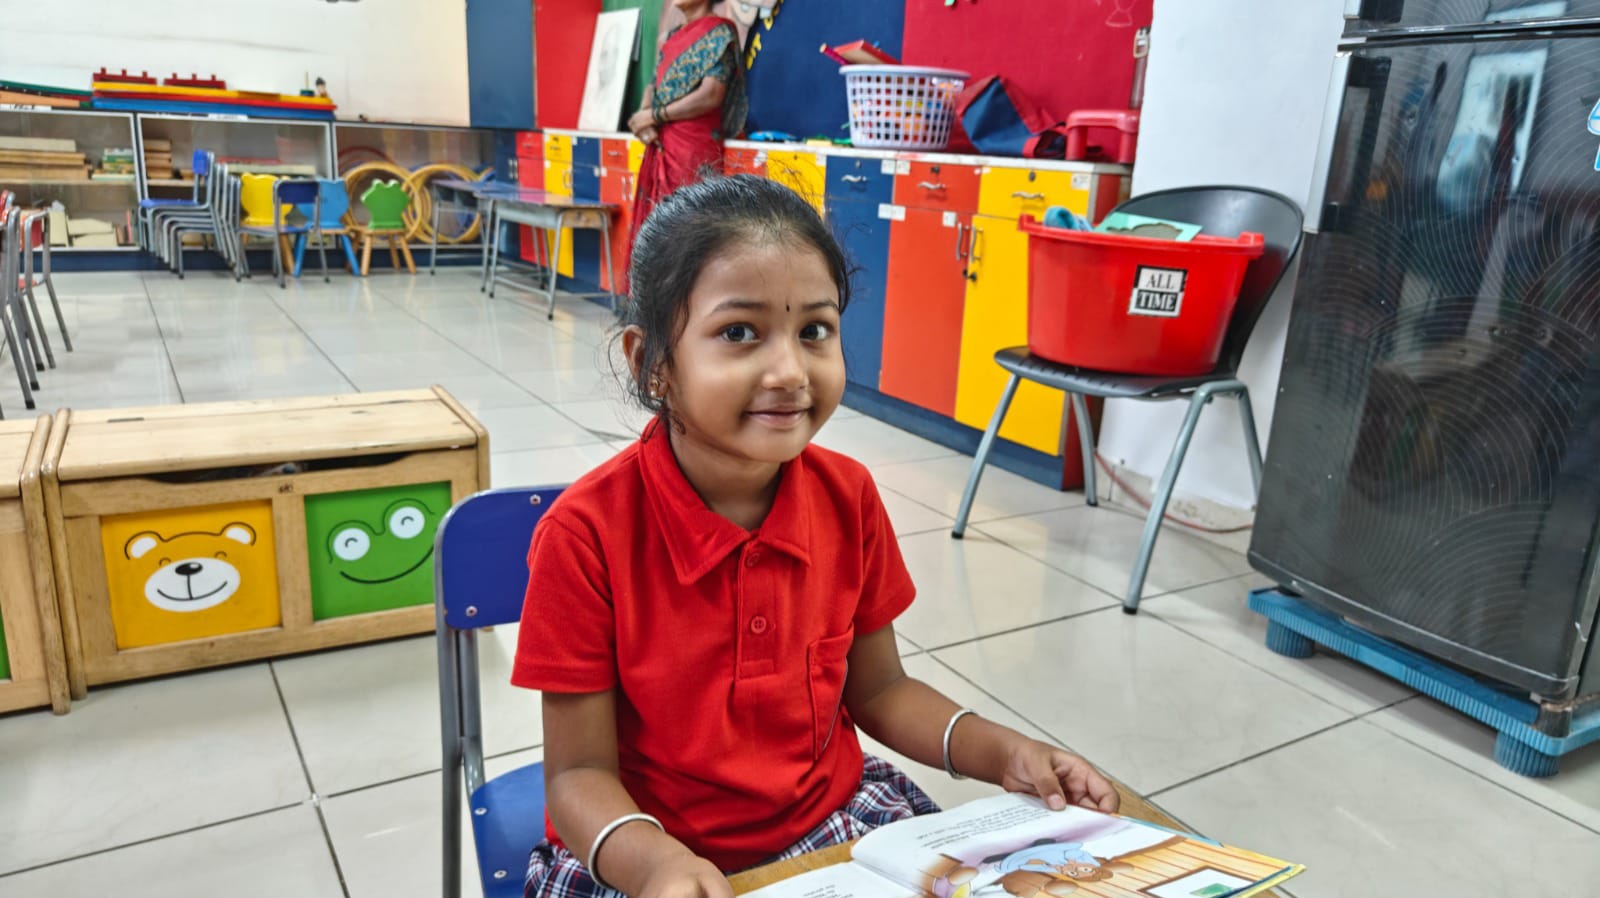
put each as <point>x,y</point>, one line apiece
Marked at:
<point>607,80</point>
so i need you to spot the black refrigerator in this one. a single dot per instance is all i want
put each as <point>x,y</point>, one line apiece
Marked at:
<point>1433,472</point>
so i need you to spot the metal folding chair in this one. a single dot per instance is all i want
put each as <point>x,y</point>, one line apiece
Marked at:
<point>480,579</point>
<point>39,222</point>
<point>1219,210</point>
<point>13,311</point>
<point>147,207</point>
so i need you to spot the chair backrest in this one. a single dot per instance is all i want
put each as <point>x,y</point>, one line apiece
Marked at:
<point>386,202</point>
<point>481,556</point>
<point>255,197</point>
<point>335,199</point>
<point>201,162</point>
<point>1226,212</point>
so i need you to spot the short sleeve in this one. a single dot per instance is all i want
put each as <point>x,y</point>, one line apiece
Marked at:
<point>567,640</point>
<point>722,43</point>
<point>886,587</point>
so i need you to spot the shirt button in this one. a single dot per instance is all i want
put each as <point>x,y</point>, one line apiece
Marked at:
<point>758,625</point>
<point>752,558</point>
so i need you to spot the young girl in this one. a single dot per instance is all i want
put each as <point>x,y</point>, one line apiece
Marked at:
<point>709,612</point>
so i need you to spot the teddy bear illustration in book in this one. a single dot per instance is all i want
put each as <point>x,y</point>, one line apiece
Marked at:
<point>190,573</point>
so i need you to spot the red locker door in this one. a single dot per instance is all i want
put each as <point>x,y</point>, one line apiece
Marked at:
<point>616,186</point>
<point>923,305</point>
<point>530,173</point>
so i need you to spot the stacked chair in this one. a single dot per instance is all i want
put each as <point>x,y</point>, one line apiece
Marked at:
<point>24,232</point>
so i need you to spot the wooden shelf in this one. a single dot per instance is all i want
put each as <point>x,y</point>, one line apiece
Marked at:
<point>66,183</point>
<point>168,182</point>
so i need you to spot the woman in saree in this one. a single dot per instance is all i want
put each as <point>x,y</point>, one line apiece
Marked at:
<point>696,103</point>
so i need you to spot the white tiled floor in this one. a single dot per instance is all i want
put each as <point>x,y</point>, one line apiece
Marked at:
<point>318,775</point>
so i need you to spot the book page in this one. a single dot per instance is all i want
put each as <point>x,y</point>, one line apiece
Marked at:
<point>998,846</point>
<point>837,881</point>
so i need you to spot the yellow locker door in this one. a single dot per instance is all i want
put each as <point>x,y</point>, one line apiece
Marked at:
<point>558,181</point>
<point>802,171</point>
<point>995,317</point>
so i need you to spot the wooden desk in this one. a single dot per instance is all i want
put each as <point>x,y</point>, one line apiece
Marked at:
<point>1132,806</point>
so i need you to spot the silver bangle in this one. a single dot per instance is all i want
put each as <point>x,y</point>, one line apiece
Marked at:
<point>605,833</point>
<point>948,729</point>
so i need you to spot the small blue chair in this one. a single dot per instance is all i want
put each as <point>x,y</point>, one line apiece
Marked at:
<point>292,192</point>
<point>335,198</point>
<point>480,578</point>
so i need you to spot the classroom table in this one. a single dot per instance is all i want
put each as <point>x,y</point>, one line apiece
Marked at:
<point>501,203</point>
<point>1133,806</point>
<point>455,195</point>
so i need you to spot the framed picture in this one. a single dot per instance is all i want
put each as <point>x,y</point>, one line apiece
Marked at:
<point>1207,882</point>
<point>607,80</point>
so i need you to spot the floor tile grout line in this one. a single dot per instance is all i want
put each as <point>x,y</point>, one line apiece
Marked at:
<point>323,352</point>
<point>381,292</point>
<point>1009,631</point>
<point>356,790</point>
<point>1463,767</point>
<point>145,841</point>
<point>161,334</point>
<point>316,802</point>
<point>1260,754</point>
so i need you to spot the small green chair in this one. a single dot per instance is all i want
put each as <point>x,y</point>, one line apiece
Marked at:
<point>386,203</point>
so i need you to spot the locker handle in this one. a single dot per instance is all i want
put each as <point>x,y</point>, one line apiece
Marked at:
<point>930,185</point>
<point>961,241</point>
<point>972,255</point>
<point>1028,196</point>
<point>614,152</point>
<point>853,179</point>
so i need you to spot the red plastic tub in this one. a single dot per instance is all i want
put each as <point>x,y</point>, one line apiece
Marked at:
<point>1133,305</point>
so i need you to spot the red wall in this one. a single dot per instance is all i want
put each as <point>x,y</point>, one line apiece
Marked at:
<point>1065,54</point>
<point>563,30</point>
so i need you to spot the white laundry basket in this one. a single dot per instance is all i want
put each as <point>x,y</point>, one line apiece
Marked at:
<point>901,107</point>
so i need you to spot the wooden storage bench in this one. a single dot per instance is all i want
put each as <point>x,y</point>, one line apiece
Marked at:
<point>33,670</point>
<point>195,535</point>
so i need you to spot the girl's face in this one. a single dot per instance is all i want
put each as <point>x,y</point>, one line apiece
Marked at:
<point>758,368</point>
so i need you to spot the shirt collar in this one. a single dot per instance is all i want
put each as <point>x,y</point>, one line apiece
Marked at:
<point>697,538</point>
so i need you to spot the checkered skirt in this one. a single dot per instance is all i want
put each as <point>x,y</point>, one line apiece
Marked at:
<point>885,795</point>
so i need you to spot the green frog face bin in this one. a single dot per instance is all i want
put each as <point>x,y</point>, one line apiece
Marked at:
<point>372,550</point>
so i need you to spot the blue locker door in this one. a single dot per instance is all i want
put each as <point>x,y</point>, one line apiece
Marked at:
<point>500,63</point>
<point>857,203</point>
<point>586,186</point>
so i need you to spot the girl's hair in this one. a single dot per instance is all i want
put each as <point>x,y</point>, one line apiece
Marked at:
<point>689,228</point>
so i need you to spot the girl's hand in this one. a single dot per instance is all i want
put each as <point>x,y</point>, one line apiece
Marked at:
<point>640,121</point>
<point>649,135</point>
<point>1059,777</point>
<point>686,876</point>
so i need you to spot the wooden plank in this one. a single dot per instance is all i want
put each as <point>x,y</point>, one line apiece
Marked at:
<point>34,157</point>
<point>481,481</point>
<point>294,569</point>
<point>136,446</point>
<point>43,144</point>
<point>93,600</point>
<point>154,661</point>
<point>247,406</point>
<point>121,496</point>
<point>35,524</point>
<point>15,438</point>
<point>26,173</point>
<point>71,636</point>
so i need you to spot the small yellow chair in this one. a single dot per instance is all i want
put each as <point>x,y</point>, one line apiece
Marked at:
<point>255,198</point>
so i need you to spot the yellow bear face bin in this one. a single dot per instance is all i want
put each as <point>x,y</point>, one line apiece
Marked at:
<point>191,573</point>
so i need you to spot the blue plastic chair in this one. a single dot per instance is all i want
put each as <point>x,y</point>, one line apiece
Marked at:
<point>335,199</point>
<point>480,578</point>
<point>292,192</point>
<point>201,164</point>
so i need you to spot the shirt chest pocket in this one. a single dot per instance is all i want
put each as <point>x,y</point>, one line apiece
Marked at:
<point>828,665</point>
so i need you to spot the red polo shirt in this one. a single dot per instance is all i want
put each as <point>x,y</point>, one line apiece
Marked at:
<point>726,647</point>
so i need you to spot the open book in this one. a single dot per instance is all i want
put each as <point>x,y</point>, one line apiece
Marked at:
<point>1012,845</point>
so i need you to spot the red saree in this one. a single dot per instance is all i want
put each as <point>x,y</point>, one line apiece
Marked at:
<point>689,149</point>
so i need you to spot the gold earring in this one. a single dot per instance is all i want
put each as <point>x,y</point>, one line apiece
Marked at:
<point>655,388</point>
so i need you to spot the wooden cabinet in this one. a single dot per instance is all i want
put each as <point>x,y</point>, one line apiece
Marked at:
<point>857,194</point>
<point>802,171</point>
<point>558,179</point>
<point>1015,192</point>
<point>923,301</point>
<point>996,316</point>
<point>530,173</point>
